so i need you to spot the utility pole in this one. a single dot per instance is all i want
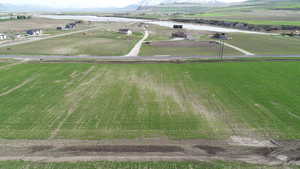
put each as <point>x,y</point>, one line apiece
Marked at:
<point>221,49</point>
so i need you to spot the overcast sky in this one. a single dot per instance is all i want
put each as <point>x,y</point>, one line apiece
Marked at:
<point>82,3</point>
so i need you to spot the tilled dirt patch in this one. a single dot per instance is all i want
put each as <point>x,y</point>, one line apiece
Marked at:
<point>123,148</point>
<point>184,44</point>
<point>286,152</point>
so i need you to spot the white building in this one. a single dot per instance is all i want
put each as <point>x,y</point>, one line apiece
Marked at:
<point>18,36</point>
<point>3,37</point>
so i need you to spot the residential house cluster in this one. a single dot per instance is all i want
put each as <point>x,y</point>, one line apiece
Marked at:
<point>69,26</point>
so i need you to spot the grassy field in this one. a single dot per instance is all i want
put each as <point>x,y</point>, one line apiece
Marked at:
<point>96,43</point>
<point>158,34</point>
<point>266,45</point>
<point>269,22</point>
<point>213,100</point>
<point>149,50</point>
<point>133,165</point>
<point>260,12</point>
<point>35,23</point>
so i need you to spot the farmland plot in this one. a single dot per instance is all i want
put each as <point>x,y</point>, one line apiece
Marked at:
<point>95,43</point>
<point>90,101</point>
<point>266,45</point>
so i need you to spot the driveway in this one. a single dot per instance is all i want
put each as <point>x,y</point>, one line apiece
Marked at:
<point>136,49</point>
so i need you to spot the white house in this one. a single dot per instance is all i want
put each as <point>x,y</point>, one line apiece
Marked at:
<point>18,36</point>
<point>3,37</point>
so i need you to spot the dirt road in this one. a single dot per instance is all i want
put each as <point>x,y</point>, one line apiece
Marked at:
<point>136,49</point>
<point>238,49</point>
<point>155,149</point>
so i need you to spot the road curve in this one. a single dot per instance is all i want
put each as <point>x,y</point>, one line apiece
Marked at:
<point>136,49</point>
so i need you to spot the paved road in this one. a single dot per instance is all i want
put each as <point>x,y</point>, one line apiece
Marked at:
<point>44,38</point>
<point>134,58</point>
<point>136,49</point>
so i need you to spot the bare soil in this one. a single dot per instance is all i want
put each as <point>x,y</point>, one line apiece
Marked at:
<point>154,149</point>
<point>183,44</point>
<point>34,23</point>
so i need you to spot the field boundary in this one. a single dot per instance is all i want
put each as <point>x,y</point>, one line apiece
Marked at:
<point>138,150</point>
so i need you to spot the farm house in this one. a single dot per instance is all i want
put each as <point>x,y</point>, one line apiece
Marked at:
<point>34,32</point>
<point>70,26</point>
<point>3,37</point>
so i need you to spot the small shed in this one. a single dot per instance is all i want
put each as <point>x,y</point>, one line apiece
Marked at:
<point>222,36</point>
<point>3,37</point>
<point>178,26</point>
<point>18,36</point>
<point>59,28</point>
<point>125,31</point>
<point>34,32</point>
<point>179,35</point>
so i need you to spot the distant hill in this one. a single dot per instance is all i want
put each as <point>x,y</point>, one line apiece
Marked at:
<point>164,2</point>
<point>174,6</point>
<point>276,4</point>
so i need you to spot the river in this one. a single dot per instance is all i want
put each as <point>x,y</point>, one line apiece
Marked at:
<point>170,24</point>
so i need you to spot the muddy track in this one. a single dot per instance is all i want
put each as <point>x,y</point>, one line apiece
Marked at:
<point>284,152</point>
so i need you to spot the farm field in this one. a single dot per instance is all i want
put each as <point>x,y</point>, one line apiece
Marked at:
<point>34,23</point>
<point>251,15</point>
<point>180,101</point>
<point>266,45</point>
<point>96,43</point>
<point>185,48</point>
<point>134,165</point>
<point>269,22</point>
<point>162,44</point>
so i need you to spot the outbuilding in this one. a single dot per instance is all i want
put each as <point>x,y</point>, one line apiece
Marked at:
<point>178,26</point>
<point>179,35</point>
<point>125,31</point>
<point>59,28</point>
<point>222,36</point>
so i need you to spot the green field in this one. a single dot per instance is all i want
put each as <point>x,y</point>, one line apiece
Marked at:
<point>212,100</point>
<point>133,165</point>
<point>266,45</point>
<point>96,43</point>
<point>267,22</point>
